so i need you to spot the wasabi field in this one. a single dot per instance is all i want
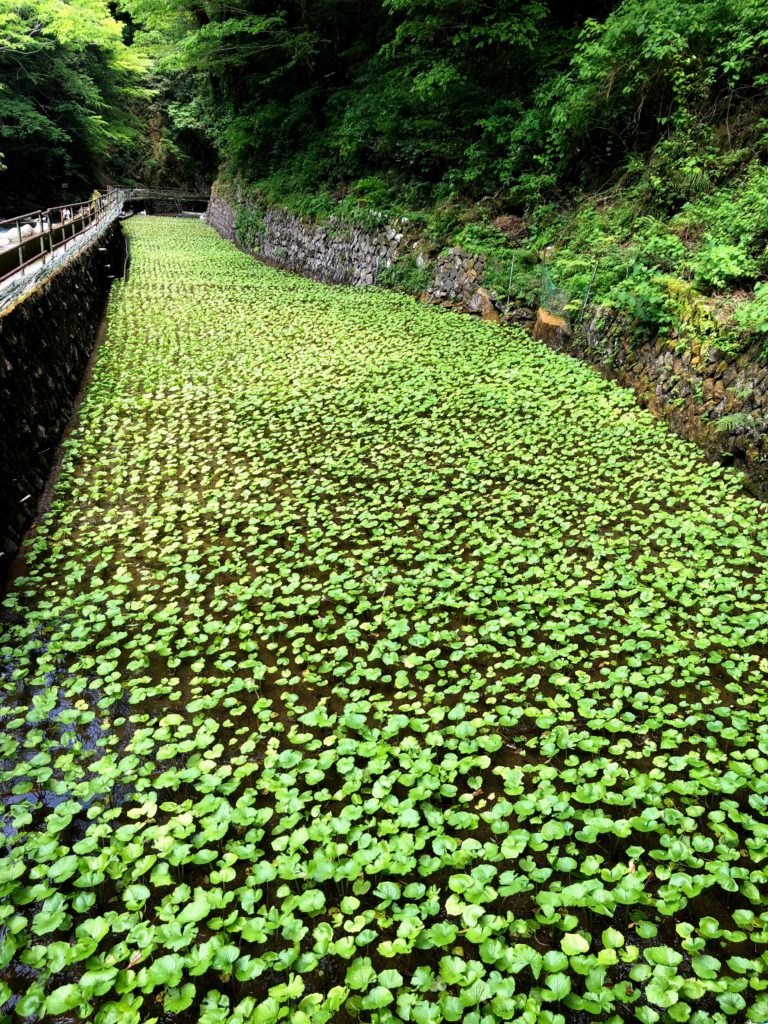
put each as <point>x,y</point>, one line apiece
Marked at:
<point>375,663</point>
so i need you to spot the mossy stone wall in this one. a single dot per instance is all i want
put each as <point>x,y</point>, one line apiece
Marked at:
<point>45,341</point>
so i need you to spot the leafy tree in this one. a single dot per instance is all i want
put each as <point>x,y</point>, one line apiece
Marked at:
<point>70,90</point>
<point>679,81</point>
<point>518,100</point>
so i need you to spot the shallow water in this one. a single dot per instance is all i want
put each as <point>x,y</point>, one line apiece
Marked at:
<point>365,656</point>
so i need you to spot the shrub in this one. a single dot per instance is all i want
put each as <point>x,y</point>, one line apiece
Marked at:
<point>406,275</point>
<point>719,264</point>
<point>753,316</point>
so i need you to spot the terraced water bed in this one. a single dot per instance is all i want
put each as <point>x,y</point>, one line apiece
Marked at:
<point>377,663</point>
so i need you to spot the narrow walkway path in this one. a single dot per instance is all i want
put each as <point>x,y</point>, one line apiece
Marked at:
<point>376,663</point>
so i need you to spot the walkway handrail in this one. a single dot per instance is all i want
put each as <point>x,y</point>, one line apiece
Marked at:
<point>29,242</point>
<point>143,192</point>
<point>36,236</point>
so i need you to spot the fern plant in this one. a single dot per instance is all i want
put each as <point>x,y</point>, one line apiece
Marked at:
<point>735,422</point>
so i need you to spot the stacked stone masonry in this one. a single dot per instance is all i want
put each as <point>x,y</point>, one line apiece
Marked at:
<point>340,253</point>
<point>335,253</point>
<point>689,387</point>
<point>45,342</point>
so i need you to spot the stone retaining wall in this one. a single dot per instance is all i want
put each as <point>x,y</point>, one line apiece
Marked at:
<point>333,252</point>
<point>45,342</point>
<point>685,381</point>
<point>339,253</point>
<point>720,403</point>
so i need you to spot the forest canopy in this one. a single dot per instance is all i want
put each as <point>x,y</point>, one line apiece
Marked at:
<point>70,96</point>
<point>471,97</point>
<point>524,100</point>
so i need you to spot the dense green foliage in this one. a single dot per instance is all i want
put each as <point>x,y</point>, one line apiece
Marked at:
<point>689,270</point>
<point>71,95</point>
<point>375,663</point>
<point>631,137</point>
<point>82,106</point>
<point>327,92</point>
<point>512,99</point>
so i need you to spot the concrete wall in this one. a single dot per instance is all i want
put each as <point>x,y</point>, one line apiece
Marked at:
<point>45,341</point>
<point>165,207</point>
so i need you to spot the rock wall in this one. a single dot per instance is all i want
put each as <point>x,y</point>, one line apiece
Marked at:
<point>458,280</point>
<point>339,253</point>
<point>332,252</point>
<point>45,342</point>
<point>221,216</point>
<point>720,403</point>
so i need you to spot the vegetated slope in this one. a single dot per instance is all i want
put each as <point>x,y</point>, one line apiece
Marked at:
<point>624,143</point>
<point>374,660</point>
